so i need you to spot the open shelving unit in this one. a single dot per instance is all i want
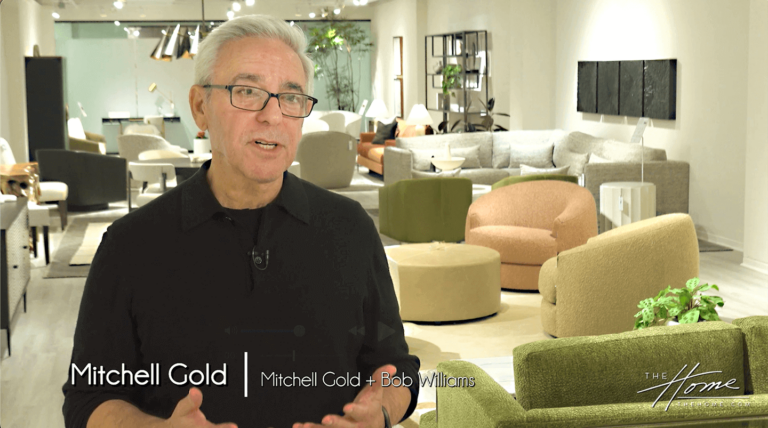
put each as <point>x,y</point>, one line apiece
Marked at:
<point>469,49</point>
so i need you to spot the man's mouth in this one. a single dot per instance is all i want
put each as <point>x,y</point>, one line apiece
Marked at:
<point>267,146</point>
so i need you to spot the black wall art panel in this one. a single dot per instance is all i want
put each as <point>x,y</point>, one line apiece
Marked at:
<point>660,89</point>
<point>586,93</point>
<point>631,88</point>
<point>628,88</point>
<point>608,87</point>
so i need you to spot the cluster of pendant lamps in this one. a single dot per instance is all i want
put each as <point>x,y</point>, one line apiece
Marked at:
<point>180,43</point>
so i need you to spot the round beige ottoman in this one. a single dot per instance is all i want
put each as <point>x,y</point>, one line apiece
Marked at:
<point>445,282</point>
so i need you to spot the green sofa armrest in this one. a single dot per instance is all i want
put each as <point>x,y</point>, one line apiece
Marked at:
<point>755,333</point>
<point>484,405</point>
<point>428,420</point>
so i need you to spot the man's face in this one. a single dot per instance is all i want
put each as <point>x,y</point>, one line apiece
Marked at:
<point>258,145</point>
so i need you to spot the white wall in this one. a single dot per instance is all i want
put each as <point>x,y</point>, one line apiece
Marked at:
<point>24,23</point>
<point>521,52</point>
<point>709,39</point>
<point>391,19</point>
<point>756,177</point>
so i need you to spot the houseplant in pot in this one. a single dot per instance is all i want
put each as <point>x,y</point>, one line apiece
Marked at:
<point>451,80</point>
<point>684,305</point>
<point>202,143</point>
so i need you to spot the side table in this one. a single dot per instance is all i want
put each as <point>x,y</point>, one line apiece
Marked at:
<point>626,202</point>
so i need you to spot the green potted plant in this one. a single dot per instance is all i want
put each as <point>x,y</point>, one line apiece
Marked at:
<point>685,304</point>
<point>451,80</point>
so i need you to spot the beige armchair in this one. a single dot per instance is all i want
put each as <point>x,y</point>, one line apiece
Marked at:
<point>327,158</point>
<point>595,288</point>
<point>529,223</point>
<point>84,141</point>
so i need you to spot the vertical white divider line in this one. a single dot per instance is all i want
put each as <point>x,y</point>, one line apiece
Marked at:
<point>246,374</point>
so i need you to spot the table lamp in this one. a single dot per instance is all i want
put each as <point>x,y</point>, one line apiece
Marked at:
<point>376,110</point>
<point>420,117</point>
<point>153,88</point>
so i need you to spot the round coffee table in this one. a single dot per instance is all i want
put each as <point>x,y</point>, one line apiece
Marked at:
<point>440,282</point>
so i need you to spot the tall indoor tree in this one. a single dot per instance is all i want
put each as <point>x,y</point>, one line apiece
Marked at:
<point>333,47</point>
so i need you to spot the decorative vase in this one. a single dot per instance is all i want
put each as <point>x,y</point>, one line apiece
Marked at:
<point>443,101</point>
<point>202,145</point>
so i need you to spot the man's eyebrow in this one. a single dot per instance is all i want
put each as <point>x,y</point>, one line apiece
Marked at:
<point>293,86</point>
<point>255,78</point>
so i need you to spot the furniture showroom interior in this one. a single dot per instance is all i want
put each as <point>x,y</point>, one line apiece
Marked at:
<point>571,195</point>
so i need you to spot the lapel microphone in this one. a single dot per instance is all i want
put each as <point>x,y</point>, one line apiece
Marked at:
<point>260,260</point>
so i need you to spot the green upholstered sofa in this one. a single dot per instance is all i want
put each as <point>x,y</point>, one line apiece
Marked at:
<point>514,179</point>
<point>596,380</point>
<point>425,210</point>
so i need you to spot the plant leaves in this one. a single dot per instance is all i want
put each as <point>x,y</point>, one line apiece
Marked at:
<point>689,317</point>
<point>692,283</point>
<point>709,315</point>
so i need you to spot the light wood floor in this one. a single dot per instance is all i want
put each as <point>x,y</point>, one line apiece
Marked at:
<point>31,379</point>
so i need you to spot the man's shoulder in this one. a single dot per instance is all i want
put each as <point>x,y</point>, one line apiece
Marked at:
<point>162,215</point>
<point>324,203</point>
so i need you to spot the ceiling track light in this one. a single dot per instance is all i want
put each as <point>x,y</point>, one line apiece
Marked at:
<point>55,15</point>
<point>118,4</point>
<point>236,6</point>
<point>250,2</point>
<point>312,14</point>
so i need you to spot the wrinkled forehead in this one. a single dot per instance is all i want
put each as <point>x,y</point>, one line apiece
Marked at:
<point>258,61</point>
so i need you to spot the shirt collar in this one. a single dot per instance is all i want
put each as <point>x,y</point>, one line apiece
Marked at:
<point>199,204</point>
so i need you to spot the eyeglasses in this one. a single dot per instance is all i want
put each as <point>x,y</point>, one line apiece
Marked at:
<point>255,99</point>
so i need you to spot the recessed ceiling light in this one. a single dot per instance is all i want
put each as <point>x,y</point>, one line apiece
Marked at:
<point>117,23</point>
<point>312,14</point>
<point>136,33</point>
<point>118,4</point>
<point>230,14</point>
<point>55,15</point>
<point>356,2</point>
<point>236,6</point>
<point>336,11</point>
<point>250,2</point>
<point>363,2</point>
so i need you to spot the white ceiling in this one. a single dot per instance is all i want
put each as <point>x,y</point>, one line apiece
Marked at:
<point>177,10</point>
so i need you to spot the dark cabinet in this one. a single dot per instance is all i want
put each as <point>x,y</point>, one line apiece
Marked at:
<point>46,111</point>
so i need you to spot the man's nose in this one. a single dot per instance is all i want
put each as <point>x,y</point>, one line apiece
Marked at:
<point>271,113</point>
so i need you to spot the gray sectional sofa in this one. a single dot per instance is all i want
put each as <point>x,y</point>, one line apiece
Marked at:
<point>495,156</point>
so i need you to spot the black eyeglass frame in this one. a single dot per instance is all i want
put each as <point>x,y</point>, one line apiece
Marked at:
<point>270,95</point>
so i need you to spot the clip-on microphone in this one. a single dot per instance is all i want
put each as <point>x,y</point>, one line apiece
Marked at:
<point>260,260</point>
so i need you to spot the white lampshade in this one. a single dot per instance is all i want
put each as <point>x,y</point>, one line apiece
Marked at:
<point>377,109</point>
<point>419,116</point>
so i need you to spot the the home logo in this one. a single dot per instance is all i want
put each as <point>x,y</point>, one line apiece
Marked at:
<point>693,387</point>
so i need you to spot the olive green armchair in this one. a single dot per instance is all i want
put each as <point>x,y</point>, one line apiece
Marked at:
<point>425,210</point>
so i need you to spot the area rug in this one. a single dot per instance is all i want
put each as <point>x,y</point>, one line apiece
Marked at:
<point>708,247</point>
<point>91,240</point>
<point>72,241</point>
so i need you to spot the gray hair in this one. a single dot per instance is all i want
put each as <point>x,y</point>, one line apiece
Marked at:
<point>251,26</point>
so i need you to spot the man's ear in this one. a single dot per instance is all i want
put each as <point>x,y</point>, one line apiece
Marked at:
<point>198,107</point>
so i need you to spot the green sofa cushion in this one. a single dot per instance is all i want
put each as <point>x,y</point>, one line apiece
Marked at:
<point>755,333</point>
<point>593,370</point>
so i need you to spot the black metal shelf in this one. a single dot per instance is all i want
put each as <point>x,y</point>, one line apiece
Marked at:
<point>469,48</point>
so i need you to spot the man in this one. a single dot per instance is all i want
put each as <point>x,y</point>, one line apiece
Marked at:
<point>270,295</point>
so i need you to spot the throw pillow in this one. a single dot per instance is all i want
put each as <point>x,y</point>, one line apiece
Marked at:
<point>593,158</point>
<point>575,160</point>
<point>384,132</point>
<point>422,158</point>
<point>471,156</point>
<point>530,170</point>
<point>443,174</point>
<point>537,155</point>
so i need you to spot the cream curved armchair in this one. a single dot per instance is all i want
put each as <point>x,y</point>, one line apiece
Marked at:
<point>327,158</point>
<point>129,146</point>
<point>595,288</point>
<point>156,179</point>
<point>336,121</point>
<point>529,223</point>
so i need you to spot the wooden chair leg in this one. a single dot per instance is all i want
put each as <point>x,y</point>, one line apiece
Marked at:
<point>63,214</point>
<point>46,245</point>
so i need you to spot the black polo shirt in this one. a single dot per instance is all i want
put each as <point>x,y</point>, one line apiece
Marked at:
<point>179,284</point>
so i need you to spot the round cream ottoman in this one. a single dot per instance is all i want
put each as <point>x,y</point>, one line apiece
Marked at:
<point>445,282</point>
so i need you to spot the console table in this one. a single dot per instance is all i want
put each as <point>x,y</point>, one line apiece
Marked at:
<point>14,259</point>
